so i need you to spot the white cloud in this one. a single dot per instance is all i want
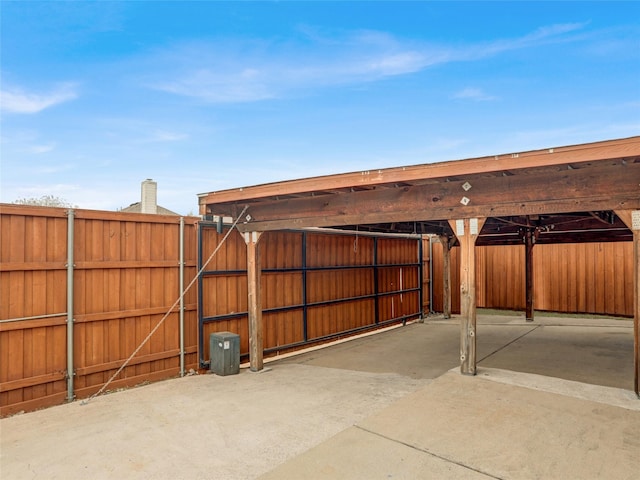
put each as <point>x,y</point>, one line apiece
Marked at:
<point>471,93</point>
<point>554,31</point>
<point>396,64</point>
<point>38,149</point>
<point>250,72</point>
<point>232,86</point>
<point>166,136</point>
<point>18,101</point>
<point>90,194</point>
<point>542,36</point>
<point>25,141</point>
<point>253,70</point>
<point>52,169</point>
<point>56,189</point>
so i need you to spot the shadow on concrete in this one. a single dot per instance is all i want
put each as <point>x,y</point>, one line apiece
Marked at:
<point>595,351</point>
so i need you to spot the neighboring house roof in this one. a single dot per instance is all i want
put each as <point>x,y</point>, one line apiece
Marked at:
<point>148,200</point>
<point>137,208</point>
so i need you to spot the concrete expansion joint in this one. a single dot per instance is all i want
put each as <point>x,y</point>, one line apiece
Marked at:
<point>506,345</point>
<point>423,450</point>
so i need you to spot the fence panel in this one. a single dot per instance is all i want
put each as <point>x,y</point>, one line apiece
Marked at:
<point>585,278</point>
<point>315,286</point>
<point>126,277</point>
<point>33,306</point>
<point>590,278</point>
<point>501,274</point>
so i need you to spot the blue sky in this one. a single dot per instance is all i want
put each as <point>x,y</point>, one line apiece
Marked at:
<point>203,96</point>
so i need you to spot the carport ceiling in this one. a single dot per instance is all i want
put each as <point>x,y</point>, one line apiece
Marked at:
<point>565,194</point>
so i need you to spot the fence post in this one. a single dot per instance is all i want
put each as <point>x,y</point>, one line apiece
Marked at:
<point>529,242</point>
<point>445,240</point>
<point>430,274</point>
<point>181,286</point>
<point>254,288</point>
<point>70,288</point>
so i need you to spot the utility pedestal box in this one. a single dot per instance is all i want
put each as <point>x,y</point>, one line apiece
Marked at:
<point>224,350</point>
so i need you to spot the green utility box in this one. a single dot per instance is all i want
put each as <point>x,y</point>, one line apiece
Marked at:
<point>224,350</point>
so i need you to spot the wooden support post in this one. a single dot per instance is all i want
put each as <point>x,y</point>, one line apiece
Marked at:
<point>255,300</point>
<point>631,219</point>
<point>445,240</point>
<point>467,231</point>
<point>529,242</point>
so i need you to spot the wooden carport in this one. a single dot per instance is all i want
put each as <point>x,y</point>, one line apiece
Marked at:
<point>579,193</point>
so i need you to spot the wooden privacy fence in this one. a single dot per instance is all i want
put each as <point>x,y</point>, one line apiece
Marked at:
<point>594,278</point>
<point>315,286</point>
<point>125,275</point>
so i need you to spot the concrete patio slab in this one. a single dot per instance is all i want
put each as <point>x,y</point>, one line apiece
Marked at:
<point>474,427</point>
<point>198,427</point>
<point>366,408</point>
<point>358,454</point>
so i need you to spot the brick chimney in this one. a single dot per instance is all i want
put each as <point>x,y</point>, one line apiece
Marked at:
<point>149,202</point>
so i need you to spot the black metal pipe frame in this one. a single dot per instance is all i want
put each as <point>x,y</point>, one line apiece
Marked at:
<point>304,306</point>
<point>421,277</point>
<point>202,320</point>
<point>308,269</point>
<point>375,280</point>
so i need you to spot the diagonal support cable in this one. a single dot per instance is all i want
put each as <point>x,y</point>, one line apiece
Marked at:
<point>195,278</point>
